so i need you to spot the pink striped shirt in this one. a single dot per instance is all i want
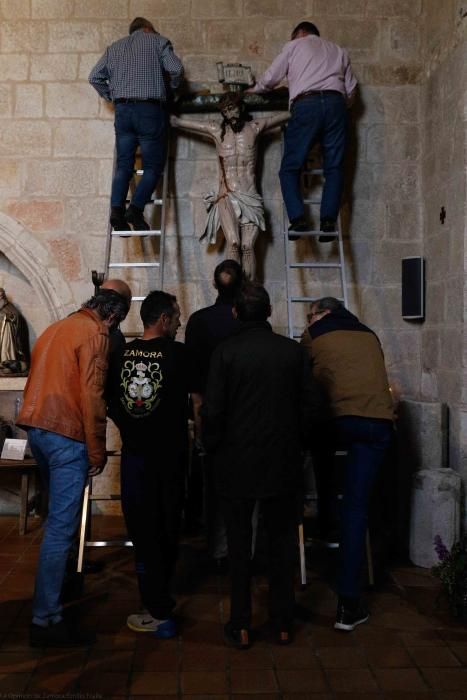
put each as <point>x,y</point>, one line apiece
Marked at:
<point>309,63</point>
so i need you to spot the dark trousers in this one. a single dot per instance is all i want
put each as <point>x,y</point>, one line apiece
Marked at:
<point>152,502</point>
<point>280,522</point>
<point>366,441</point>
<point>142,124</point>
<point>315,118</point>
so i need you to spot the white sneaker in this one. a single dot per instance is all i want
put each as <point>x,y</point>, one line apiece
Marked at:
<point>144,622</point>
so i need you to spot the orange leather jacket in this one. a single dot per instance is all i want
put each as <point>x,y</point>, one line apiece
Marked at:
<point>64,392</point>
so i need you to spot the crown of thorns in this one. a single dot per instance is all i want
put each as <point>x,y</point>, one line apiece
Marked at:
<point>230,99</point>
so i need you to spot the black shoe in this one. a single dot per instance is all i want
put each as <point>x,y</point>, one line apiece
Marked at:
<point>117,219</point>
<point>59,635</point>
<point>350,614</point>
<point>300,225</point>
<point>240,639</point>
<point>327,226</point>
<point>134,216</point>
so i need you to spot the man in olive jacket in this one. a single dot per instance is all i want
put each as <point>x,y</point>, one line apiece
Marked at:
<point>64,414</point>
<point>258,408</point>
<point>348,364</point>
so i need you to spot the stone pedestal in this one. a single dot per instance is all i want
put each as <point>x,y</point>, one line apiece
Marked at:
<point>435,511</point>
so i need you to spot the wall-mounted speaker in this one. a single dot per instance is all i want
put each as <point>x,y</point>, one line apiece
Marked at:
<point>413,288</point>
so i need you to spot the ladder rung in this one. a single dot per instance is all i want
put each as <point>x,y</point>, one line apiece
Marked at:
<point>313,171</point>
<point>109,543</point>
<point>134,265</point>
<point>312,265</point>
<point>138,298</point>
<point>308,299</point>
<point>312,233</point>
<point>140,234</point>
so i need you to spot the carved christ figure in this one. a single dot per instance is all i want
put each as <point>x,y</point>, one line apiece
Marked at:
<point>236,208</point>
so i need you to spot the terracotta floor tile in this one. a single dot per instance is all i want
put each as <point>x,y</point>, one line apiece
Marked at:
<point>253,681</point>
<point>154,683</point>
<point>460,651</point>
<point>253,658</point>
<point>301,680</point>
<point>341,657</point>
<point>448,695</point>
<point>156,660</point>
<point>422,638</point>
<point>409,695</point>
<point>118,661</point>
<point>207,682</point>
<point>124,640</point>
<point>60,661</point>
<point>308,696</point>
<point>18,662</point>
<point>65,682</point>
<point>211,659</point>
<point>252,696</point>
<point>388,657</point>
<point>446,678</point>
<point>294,657</point>
<point>369,636</point>
<point>401,679</point>
<point>433,657</point>
<point>207,697</point>
<point>103,683</point>
<point>356,680</point>
<point>454,635</point>
<point>13,682</point>
<point>331,638</point>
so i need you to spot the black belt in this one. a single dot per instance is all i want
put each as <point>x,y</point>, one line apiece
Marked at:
<point>316,92</point>
<point>129,100</point>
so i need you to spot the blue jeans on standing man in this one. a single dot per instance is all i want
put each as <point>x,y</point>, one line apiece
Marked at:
<point>323,118</point>
<point>64,466</point>
<point>366,441</point>
<point>142,124</point>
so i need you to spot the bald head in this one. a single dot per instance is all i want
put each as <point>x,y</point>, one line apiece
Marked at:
<point>118,286</point>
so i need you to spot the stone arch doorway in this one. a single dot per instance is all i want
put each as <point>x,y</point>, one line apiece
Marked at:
<point>33,260</point>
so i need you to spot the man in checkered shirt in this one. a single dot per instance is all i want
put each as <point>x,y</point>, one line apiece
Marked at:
<point>136,73</point>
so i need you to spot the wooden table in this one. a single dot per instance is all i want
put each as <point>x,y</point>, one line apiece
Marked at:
<point>25,467</point>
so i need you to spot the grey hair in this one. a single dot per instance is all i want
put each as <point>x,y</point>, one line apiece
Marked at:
<point>328,304</point>
<point>108,303</point>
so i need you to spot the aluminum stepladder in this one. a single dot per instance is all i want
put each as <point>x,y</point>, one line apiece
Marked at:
<point>308,263</point>
<point>158,212</point>
<point>312,264</point>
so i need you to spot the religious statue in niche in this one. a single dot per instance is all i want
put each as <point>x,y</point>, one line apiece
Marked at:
<point>236,207</point>
<point>14,340</point>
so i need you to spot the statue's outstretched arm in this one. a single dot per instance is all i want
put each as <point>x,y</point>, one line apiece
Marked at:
<point>275,120</point>
<point>193,125</point>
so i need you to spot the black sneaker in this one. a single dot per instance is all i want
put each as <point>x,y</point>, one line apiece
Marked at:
<point>240,639</point>
<point>327,226</point>
<point>59,635</point>
<point>300,225</point>
<point>350,615</point>
<point>134,216</point>
<point>117,219</point>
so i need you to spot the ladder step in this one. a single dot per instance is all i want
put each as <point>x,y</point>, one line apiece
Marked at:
<point>304,299</point>
<point>137,234</point>
<point>313,265</point>
<point>310,233</point>
<point>109,543</point>
<point>313,171</point>
<point>134,264</point>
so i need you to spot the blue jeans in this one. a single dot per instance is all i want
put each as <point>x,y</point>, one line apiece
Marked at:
<point>142,124</point>
<point>64,467</point>
<point>315,118</point>
<point>366,441</point>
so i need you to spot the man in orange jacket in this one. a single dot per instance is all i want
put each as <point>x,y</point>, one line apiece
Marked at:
<point>64,414</point>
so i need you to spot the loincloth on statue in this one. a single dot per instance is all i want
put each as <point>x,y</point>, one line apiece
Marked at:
<point>248,208</point>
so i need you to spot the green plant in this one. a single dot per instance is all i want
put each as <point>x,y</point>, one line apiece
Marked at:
<point>452,572</point>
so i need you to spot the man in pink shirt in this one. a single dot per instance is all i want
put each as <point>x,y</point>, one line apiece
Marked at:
<point>321,87</point>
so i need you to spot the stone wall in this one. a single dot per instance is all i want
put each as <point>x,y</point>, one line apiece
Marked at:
<point>444,162</point>
<point>56,150</point>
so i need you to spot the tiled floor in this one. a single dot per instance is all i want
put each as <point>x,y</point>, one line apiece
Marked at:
<point>410,649</point>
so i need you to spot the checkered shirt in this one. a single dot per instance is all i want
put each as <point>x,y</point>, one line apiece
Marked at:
<point>137,67</point>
